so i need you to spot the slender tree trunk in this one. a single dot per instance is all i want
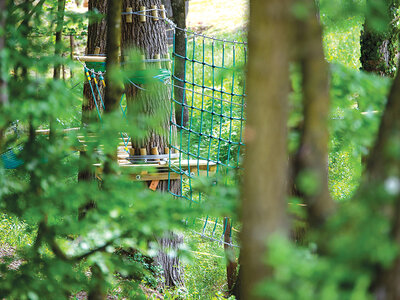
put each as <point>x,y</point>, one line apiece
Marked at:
<point>311,162</point>
<point>150,38</point>
<point>112,95</point>
<point>231,265</point>
<point>59,28</point>
<point>179,18</point>
<point>57,52</point>
<point>96,38</point>
<point>265,163</point>
<point>3,67</point>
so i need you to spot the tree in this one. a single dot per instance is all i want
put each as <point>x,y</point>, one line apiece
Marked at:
<point>96,41</point>
<point>265,164</point>
<point>152,101</point>
<point>379,38</point>
<point>179,17</point>
<point>337,231</point>
<point>3,76</point>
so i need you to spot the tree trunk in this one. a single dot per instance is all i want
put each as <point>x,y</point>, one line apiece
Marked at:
<point>265,162</point>
<point>58,44</point>
<point>3,67</point>
<point>150,38</point>
<point>378,46</point>
<point>384,164</point>
<point>179,18</point>
<point>231,265</point>
<point>113,92</point>
<point>96,38</point>
<point>312,157</point>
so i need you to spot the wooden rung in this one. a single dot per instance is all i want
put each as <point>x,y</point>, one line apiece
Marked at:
<point>158,63</point>
<point>154,12</point>
<point>91,58</point>
<point>154,151</point>
<point>129,17</point>
<point>163,15</point>
<point>142,16</point>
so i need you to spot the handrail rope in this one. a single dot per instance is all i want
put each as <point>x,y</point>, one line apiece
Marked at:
<point>91,88</point>
<point>174,26</point>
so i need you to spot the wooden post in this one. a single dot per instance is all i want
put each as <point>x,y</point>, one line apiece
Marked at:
<point>163,15</point>
<point>154,12</point>
<point>154,151</point>
<point>129,18</point>
<point>97,50</point>
<point>158,63</point>
<point>142,16</point>
<point>231,264</point>
<point>143,151</point>
<point>168,63</point>
<point>142,63</point>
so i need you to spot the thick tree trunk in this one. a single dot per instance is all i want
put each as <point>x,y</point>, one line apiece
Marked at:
<point>265,163</point>
<point>383,165</point>
<point>312,157</point>
<point>113,93</point>
<point>150,38</point>
<point>96,38</point>
<point>378,48</point>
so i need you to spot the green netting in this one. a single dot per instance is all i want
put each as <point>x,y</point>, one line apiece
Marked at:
<point>214,89</point>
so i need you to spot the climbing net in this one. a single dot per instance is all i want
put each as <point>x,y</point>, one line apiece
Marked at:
<point>213,96</point>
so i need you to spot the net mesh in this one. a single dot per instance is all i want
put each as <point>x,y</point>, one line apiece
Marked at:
<point>210,143</point>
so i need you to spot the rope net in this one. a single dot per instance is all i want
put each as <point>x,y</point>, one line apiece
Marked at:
<point>210,142</point>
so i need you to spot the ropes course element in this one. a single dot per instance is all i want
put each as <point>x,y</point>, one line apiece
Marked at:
<point>214,87</point>
<point>210,143</point>
<point>9,158</point>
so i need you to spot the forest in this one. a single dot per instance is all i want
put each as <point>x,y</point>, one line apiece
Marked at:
<point>199,149</point>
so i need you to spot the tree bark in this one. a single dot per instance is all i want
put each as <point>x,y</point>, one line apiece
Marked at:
<point>3,67</point>
<point>265,162</point>
<point>383,164</point>
<point>179,18</point>
<point>96,38</point>
<point>113,91</point>
<point>150,38</point>
<point>311,161</point>
<point>378,47</point>
<point>112,95</point>
<point>58,44</point>
<point>231,265</point>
